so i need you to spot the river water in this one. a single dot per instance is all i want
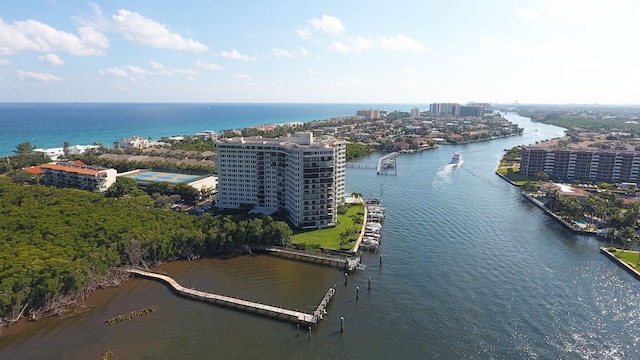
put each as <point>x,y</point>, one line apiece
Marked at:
<point>469,270</point>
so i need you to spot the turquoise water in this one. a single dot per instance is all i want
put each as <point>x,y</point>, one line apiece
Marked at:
<point>48,125</point>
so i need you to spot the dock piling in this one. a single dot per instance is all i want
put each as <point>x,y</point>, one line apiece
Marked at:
<point>341,323</point>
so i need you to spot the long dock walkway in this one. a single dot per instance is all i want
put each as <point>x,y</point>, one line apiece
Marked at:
<point>347,263</point>
<point>235,303</point>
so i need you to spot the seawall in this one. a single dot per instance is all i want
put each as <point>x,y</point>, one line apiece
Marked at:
<point>621,263</point>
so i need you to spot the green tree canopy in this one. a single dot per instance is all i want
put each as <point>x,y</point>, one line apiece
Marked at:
<point>25,148</point>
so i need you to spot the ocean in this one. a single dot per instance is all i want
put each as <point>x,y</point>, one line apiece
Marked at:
<point>49,125</point>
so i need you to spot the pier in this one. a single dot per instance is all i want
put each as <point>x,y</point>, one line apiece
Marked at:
<point>388,162</point>
<point>359,165</point>
<point>239,304</point>
<point>346,263</point>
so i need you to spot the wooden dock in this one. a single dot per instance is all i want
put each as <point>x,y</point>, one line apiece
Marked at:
<point>239,304</point>
<point>344,262</point>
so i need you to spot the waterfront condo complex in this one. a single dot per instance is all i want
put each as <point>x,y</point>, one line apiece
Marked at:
<point>300,175</point>
<point>619,163</point>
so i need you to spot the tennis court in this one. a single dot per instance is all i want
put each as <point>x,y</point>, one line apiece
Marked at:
<point>158,176</point>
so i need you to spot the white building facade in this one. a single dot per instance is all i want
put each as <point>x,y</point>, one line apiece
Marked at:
<point>59,153</point>
<point>300,174</point>
<point>135,142</point>
<point>78,176</point>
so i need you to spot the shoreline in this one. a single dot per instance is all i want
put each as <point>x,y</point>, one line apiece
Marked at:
<point>620,262</point>
<point>560,220</point>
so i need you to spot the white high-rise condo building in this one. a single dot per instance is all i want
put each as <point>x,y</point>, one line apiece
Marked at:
<point>303,175</point>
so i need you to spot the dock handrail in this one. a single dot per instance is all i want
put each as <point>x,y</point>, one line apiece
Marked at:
<point>292,315</point>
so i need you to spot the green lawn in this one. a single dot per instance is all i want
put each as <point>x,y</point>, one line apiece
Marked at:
<point>330,237</point>
<point>628,256</point>
<point>515,175</point>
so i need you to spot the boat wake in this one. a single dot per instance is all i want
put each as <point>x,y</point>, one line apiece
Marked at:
<point>443,175</point>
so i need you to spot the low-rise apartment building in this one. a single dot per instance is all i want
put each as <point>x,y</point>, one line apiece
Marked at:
<point>78,176</point>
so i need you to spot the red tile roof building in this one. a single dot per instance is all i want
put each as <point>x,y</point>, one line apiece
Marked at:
<point>78,176</point>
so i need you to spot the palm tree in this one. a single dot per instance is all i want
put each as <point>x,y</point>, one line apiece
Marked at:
<point>553,199</point>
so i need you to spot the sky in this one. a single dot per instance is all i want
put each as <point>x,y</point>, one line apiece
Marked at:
<point>299,51</point>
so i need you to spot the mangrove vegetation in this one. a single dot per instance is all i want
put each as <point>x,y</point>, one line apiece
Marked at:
<point>57,244</point>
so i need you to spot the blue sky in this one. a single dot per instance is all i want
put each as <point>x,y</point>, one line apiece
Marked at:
<point>351,51</point>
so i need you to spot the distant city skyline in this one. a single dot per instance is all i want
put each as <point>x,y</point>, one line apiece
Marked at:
<point>529,52</point>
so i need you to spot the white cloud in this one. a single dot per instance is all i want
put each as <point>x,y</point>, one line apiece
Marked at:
<point>32,35</point>
<point>136,70</point>
<point>304,33</point>
<point>51,59</point>
<point>208,66</point>
<point>137,73</point>
<point>281,53</point>
<point>337,46</point>
<point>141,30</point>
<point>5,61</point>
<point>303,53</point>
<point>156,65</point>
<point>174,72</point>
<point>360,44</point>
<point>310,71</point>
<point>400,43</point>
<point>244,77</point>
<point>328,24</point>
<point>39,76</point>
<point>235,55</point>
<point>114,71</point>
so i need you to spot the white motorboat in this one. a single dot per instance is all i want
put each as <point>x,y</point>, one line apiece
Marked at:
<point>456,159</point>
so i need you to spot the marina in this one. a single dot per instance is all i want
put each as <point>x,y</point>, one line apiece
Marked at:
<point>371,236</point>
<point>387,164</point>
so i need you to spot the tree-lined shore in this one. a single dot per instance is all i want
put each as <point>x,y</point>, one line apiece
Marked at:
<point>57,245</point>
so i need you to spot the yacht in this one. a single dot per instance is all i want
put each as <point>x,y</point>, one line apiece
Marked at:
<point>456,159</point>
